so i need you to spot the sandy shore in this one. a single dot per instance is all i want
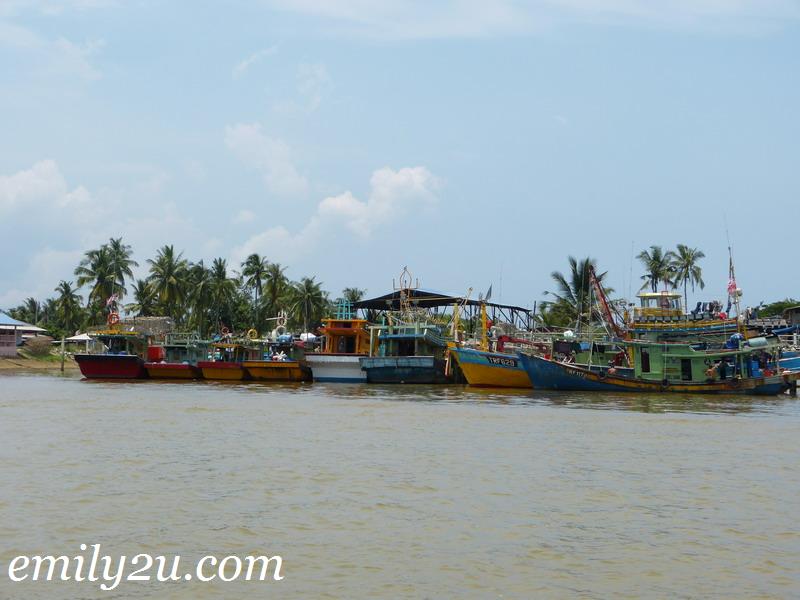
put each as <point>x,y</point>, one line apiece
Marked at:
<point>29,364</point>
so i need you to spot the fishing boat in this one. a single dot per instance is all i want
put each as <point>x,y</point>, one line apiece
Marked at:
<point>281,360</point>
<point>122,356</point>
<point>490,369</point>
<point>177,358</point>
<point>740,366</point>
<point>488,365</point>
<point>345,339</point>
<point>406,353</point>
<point>225,360</point>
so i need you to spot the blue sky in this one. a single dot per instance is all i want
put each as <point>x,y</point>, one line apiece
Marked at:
<point>477,143</point>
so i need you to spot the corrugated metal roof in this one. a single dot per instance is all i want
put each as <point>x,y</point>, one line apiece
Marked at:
<point>6,319</point>
<point>8,322</point>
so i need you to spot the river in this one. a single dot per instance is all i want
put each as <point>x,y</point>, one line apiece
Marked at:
<point>405,492</point>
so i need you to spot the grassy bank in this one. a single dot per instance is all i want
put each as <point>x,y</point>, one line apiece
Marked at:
<point>25,362</point>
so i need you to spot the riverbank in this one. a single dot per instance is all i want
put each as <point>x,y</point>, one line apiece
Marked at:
<point>24,363</point>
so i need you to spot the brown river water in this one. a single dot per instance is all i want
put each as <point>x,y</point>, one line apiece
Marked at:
<point>405,492</point>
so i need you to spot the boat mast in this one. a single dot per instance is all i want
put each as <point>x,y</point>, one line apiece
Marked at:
<point>484,321</point>
<point>608,316</point>
<point>734,293</point>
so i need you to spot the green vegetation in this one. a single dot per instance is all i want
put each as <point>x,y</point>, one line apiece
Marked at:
<point>686,271</point>
<point>207,299</point>
<point>39,347</point>
<point>775,309</point>
<point>573,296</point>
<point>658,267</point>
<point>195,296</point>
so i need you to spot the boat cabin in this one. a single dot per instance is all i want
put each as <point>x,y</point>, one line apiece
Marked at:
<point>122,343</point>
<point>696,362</point>
<point>416,339</point>
<point>345,336</point>
<point>658,306</point>
<point>179,348</point>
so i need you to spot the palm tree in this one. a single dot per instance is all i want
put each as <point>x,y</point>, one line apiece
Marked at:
<point>28,311</point>
<point>198,297</point>
<point>309,301</point>
<point>121,262</point>
<point>353,294</point>
<point>68,306</point>
<point>254,270</point>
<point>686,269</point>
<point>168,277</point>
<point>276,286</point>
<point>221,288</point>
<point>658,265</point>
<point>96,270</point>
<point>144,299</point>
<point>573,291</point>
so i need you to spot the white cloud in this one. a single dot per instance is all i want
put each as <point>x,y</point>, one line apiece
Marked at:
<point>243,216</point>
<point>54,223</point>
<point>43,182</point>
<point>53,59</point>
<point>414,19</point>
<point>393,195</point>
<point>270,156</point>
<point>51,8</point>
<point>276,242</point>
<point>43,272</point>
<point>313,83</point>
<point>241,68</point>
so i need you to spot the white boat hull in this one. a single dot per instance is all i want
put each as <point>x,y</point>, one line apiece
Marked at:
<point>336,368</point>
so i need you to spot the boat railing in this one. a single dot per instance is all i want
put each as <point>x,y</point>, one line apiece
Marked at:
<point>791,341</point>
<point>182,339</point>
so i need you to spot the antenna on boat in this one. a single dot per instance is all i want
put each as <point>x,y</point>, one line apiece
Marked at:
<point>734,292</point>
<point>405,288</point>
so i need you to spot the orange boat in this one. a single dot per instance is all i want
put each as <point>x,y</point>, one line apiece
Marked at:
<point>281,361</point>
<point>277,370</point>
<point>226,361</point>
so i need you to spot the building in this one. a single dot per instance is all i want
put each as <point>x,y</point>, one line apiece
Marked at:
<point>11,331</point>
<point>792,315</point>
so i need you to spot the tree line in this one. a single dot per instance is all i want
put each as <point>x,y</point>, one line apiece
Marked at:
<point>208,298</point>
<point>677,268</point>
<point>196,296</point>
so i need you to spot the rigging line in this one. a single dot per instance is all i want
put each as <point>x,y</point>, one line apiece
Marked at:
<point>630,274</point>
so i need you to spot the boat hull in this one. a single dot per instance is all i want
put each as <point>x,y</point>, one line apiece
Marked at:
<point>277,370</point>
<point>404,369</point>
<point>547,374</point>
<point>222,371</point>
<point>336,368</point>
<point>165,370</point>
<point>490,369</point>
<point>111,366</point>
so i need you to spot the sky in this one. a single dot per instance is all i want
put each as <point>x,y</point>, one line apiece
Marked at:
<point>477,143</point>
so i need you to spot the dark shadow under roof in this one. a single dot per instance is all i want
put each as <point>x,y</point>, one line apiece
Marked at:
<point>426,299</point>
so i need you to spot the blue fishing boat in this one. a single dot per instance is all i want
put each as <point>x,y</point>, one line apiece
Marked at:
<point>741,366</point>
